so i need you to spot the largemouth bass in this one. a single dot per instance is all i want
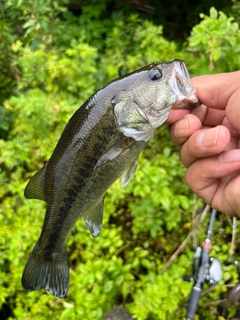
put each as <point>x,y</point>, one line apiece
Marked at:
<point>101,141</point>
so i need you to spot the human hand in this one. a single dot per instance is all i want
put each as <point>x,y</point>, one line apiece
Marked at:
<point>209,137</point>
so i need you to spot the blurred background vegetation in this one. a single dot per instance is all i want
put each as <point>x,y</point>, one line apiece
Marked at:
<point>53,56</point>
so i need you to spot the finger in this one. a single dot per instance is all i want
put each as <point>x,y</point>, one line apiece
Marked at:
<point>213,117</point>
<point>204,143</point>
<point>215,90</point>
<point>214,180</point>
<point>233,111</point>
<point>208,116</point>
<point>183,128</point>
<point>176,114</point>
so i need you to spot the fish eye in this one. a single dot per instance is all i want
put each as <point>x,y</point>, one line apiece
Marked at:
<point>155,74</point>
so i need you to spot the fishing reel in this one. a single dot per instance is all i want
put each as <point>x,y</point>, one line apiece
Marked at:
<point>207,269</point>
<point>204,268</point>
<point>213,270</point>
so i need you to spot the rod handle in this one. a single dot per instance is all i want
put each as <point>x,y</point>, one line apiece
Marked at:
<point>193,302</point>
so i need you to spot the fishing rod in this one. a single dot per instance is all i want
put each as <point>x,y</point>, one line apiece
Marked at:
<point>204,269</point>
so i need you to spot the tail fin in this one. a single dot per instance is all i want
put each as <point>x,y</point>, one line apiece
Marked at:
<point>53,275</point>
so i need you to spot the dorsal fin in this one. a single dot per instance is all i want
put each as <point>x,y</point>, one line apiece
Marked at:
<point>35,186</point>
<point>93,218</point>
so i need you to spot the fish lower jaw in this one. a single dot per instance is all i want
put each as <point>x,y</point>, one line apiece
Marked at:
<point>186,103</point>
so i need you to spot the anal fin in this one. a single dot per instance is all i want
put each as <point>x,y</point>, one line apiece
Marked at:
<point>93,218</point>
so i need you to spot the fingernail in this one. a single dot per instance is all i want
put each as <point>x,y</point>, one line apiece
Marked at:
<point>208,138</point>
<point>181,129</point>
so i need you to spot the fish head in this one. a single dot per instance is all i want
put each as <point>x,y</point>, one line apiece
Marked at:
<point>150,93</point>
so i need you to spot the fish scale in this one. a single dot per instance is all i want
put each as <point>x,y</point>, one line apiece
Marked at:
<point>101,141</point>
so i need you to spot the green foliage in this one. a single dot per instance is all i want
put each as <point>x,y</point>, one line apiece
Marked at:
<point>51,62</point>
<point>216,42</point>
<point>8,72</point>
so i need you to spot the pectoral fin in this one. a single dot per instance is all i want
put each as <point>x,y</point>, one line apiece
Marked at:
<point>35,187</point>
<point>93,218</point>
<point>110,154</point>
<point>115,150</point>
<point>129,172</point>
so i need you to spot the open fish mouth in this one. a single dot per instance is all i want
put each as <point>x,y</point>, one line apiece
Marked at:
<point>181,85</point>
